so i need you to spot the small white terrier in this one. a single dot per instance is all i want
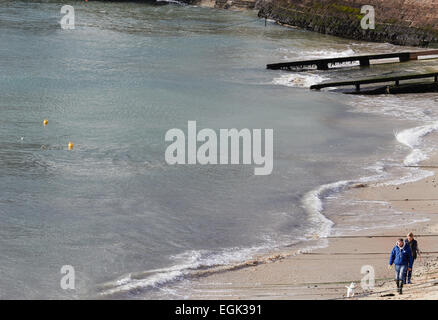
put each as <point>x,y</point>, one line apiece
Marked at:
<point>350,290</point>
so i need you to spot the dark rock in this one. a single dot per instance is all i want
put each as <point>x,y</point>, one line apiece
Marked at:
<point>342,18</point>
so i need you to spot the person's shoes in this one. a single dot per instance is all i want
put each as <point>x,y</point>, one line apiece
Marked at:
<point>400,291</point>
<point>398,285</point>
<point>409,282</point>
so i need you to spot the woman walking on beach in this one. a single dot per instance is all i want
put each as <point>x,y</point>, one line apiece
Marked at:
<point>401,257</point>
<point>413,244</point>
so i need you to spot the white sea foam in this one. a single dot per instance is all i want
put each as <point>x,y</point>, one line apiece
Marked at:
<point>314,205</point>
<point>331,53</point>
<point>315,54</point>
<point>412,138</point>
<point>314,200</point>
<point>412,175</point>
<point>173,2</point>
<point>150,278</point>
<point>301,80</point>
<point>406,107</point>
<point>185,263</point>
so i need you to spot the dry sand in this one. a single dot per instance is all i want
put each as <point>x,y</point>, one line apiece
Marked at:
<point>325,273</point>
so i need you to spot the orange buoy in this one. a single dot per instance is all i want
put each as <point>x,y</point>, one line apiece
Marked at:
<point>70,145</point>
<point>46,122</point>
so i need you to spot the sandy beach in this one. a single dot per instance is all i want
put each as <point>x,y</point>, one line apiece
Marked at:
<point>325,273</point>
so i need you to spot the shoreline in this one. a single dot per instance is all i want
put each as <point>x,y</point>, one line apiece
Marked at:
<point>323,273</point>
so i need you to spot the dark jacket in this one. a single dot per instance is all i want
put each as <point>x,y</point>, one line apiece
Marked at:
<point>401,256</point>
<point>414,247</point>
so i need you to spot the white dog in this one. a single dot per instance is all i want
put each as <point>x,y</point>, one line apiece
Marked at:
<point>350,290</point>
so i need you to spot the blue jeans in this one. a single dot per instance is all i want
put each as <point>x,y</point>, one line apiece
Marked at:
<point>400,272</point>
<point>409,274</point>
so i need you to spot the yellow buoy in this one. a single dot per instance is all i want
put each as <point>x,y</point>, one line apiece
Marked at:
<point>46,122</point>
<point>70,145</point>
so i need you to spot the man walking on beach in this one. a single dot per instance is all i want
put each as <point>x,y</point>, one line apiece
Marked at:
<point>401,257</point>
<point>413,244</point>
